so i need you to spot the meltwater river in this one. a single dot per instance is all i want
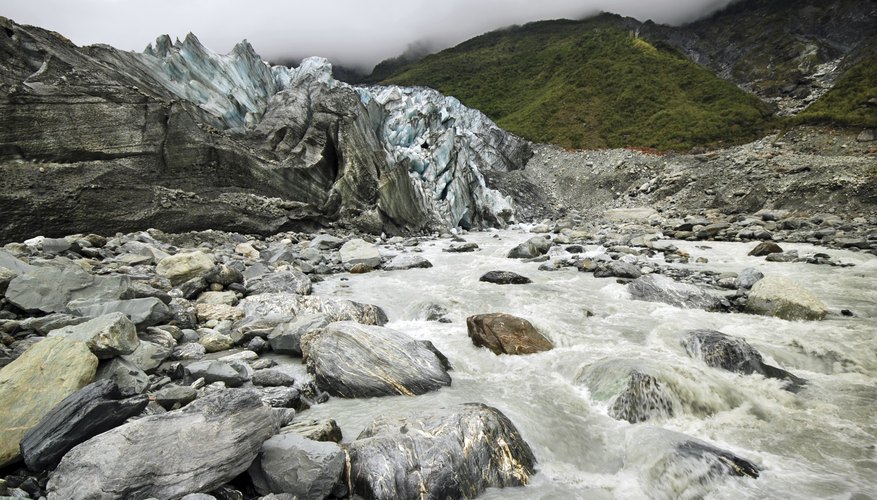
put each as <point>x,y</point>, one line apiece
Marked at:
<point>818,443</point>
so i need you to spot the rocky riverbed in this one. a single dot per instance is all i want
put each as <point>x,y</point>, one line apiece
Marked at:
<point>221,365</point>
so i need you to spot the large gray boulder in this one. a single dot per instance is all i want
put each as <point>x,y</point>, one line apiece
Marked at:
<point>439,453</point>
<point>35,382</point>
<point>289,281</point>
<point>127,376</point>
<point>142,312</point>
<point>733,354</point>
<point>96,408</point>
<point>107,336</point>
<point>48,289</point>
<point>352,360</point>
<point>262,313</point>
<point>531,248</point>
<point>406,261</point>
<point>657,288</point>
<point>231,373</point>
<point>289,463</point>
<point>197,448</point>
<point>286,337</point>
<point>786,299</point>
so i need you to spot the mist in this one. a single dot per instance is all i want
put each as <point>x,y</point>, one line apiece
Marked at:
<point>354,33</point>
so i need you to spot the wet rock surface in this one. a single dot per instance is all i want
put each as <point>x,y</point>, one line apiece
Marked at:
<point>352,360</point>
<point>506,334</point>
<point>424,455</point>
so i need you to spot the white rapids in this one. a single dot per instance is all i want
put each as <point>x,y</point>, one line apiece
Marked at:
<point>819,443</point>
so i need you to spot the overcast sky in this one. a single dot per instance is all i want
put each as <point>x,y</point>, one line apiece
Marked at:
<point>352,32</point>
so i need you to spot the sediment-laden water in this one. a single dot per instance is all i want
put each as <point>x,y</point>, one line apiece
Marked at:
<point>819,442</point>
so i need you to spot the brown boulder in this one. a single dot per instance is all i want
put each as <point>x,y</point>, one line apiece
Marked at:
<point>506,334</point>
<point>765,248</point>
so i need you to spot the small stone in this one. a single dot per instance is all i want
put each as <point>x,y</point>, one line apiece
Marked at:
<point>765,248</point>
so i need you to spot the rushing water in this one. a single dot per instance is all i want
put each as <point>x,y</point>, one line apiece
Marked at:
<point>819,443</point>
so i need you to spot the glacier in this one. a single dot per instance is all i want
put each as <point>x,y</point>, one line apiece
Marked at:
<point>441,143</point>
<point>181,138</point>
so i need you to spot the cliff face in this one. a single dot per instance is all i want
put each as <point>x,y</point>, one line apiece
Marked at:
<point>179,138</point>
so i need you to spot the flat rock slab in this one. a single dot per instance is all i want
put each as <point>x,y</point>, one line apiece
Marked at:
<point>506,334</point>
<point>442,453</point>
<point>352,360</point>
<point>641,214</point>
<point>657,288</point>
<point>96,408</point>
<point>32,385</point>
<point>504,278</point>
<point>198,448</point>
<point>407,261</point>
<point>144,312</point>
<point>48,289</point>
<point>786,299</point>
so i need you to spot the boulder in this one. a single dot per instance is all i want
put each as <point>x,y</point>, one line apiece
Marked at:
<point>289,281</point>
<point>765,248</point>
<point>128,377</point>
<point>657,288</point>
<point>786,299</point>
<point>326,242</point>
<point>232,374</point>
<point>733,354</point>
<point>531,248</point>
<point>214,341</point>
<point>197,448</point>
<point>506,334</point>
<point>318,430</point>
<point>107,336</point>
<point>44,324</point>
<point>406,261</point>
<point>289,463</point>
<point>36,382</point>
<point>96,408</point>
<point>262,313</point>
<point>352,360</point>
<point>143,312</point>
<point>48,289</point>
<point>218,312</point>
<point>224,275</point>
<point>617,269</point>
<point>504,278</point>
<point>6,277</point>
<point>748,278</point>
<point>183,267</point>
<point>188,351</point>
<point>271,377</point>
<point>439,453</point>
<point>148,356</point>
<point>461,247</point>
<point>358,251</point>
<point>642,397</point>
<point>286,337</point>
<point>175,396</point>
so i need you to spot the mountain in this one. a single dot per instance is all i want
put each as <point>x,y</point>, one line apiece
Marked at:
<point>591,84</point>
<point>788,52</point>
<point>610,81</point>
<point>94,139</point>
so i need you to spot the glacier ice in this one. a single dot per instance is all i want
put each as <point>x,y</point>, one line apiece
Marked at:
<point>441,145</point>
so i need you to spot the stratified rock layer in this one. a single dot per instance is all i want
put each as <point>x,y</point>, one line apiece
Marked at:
<point>442,453</point>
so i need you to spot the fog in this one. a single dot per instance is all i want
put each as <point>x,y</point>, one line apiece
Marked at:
<point>357,33</point>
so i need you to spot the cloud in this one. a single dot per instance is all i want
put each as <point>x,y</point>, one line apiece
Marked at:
<point>351,32</point>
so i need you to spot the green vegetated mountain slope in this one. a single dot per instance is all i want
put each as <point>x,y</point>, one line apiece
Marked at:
<point>851,102</point>
<point>591,84</point>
